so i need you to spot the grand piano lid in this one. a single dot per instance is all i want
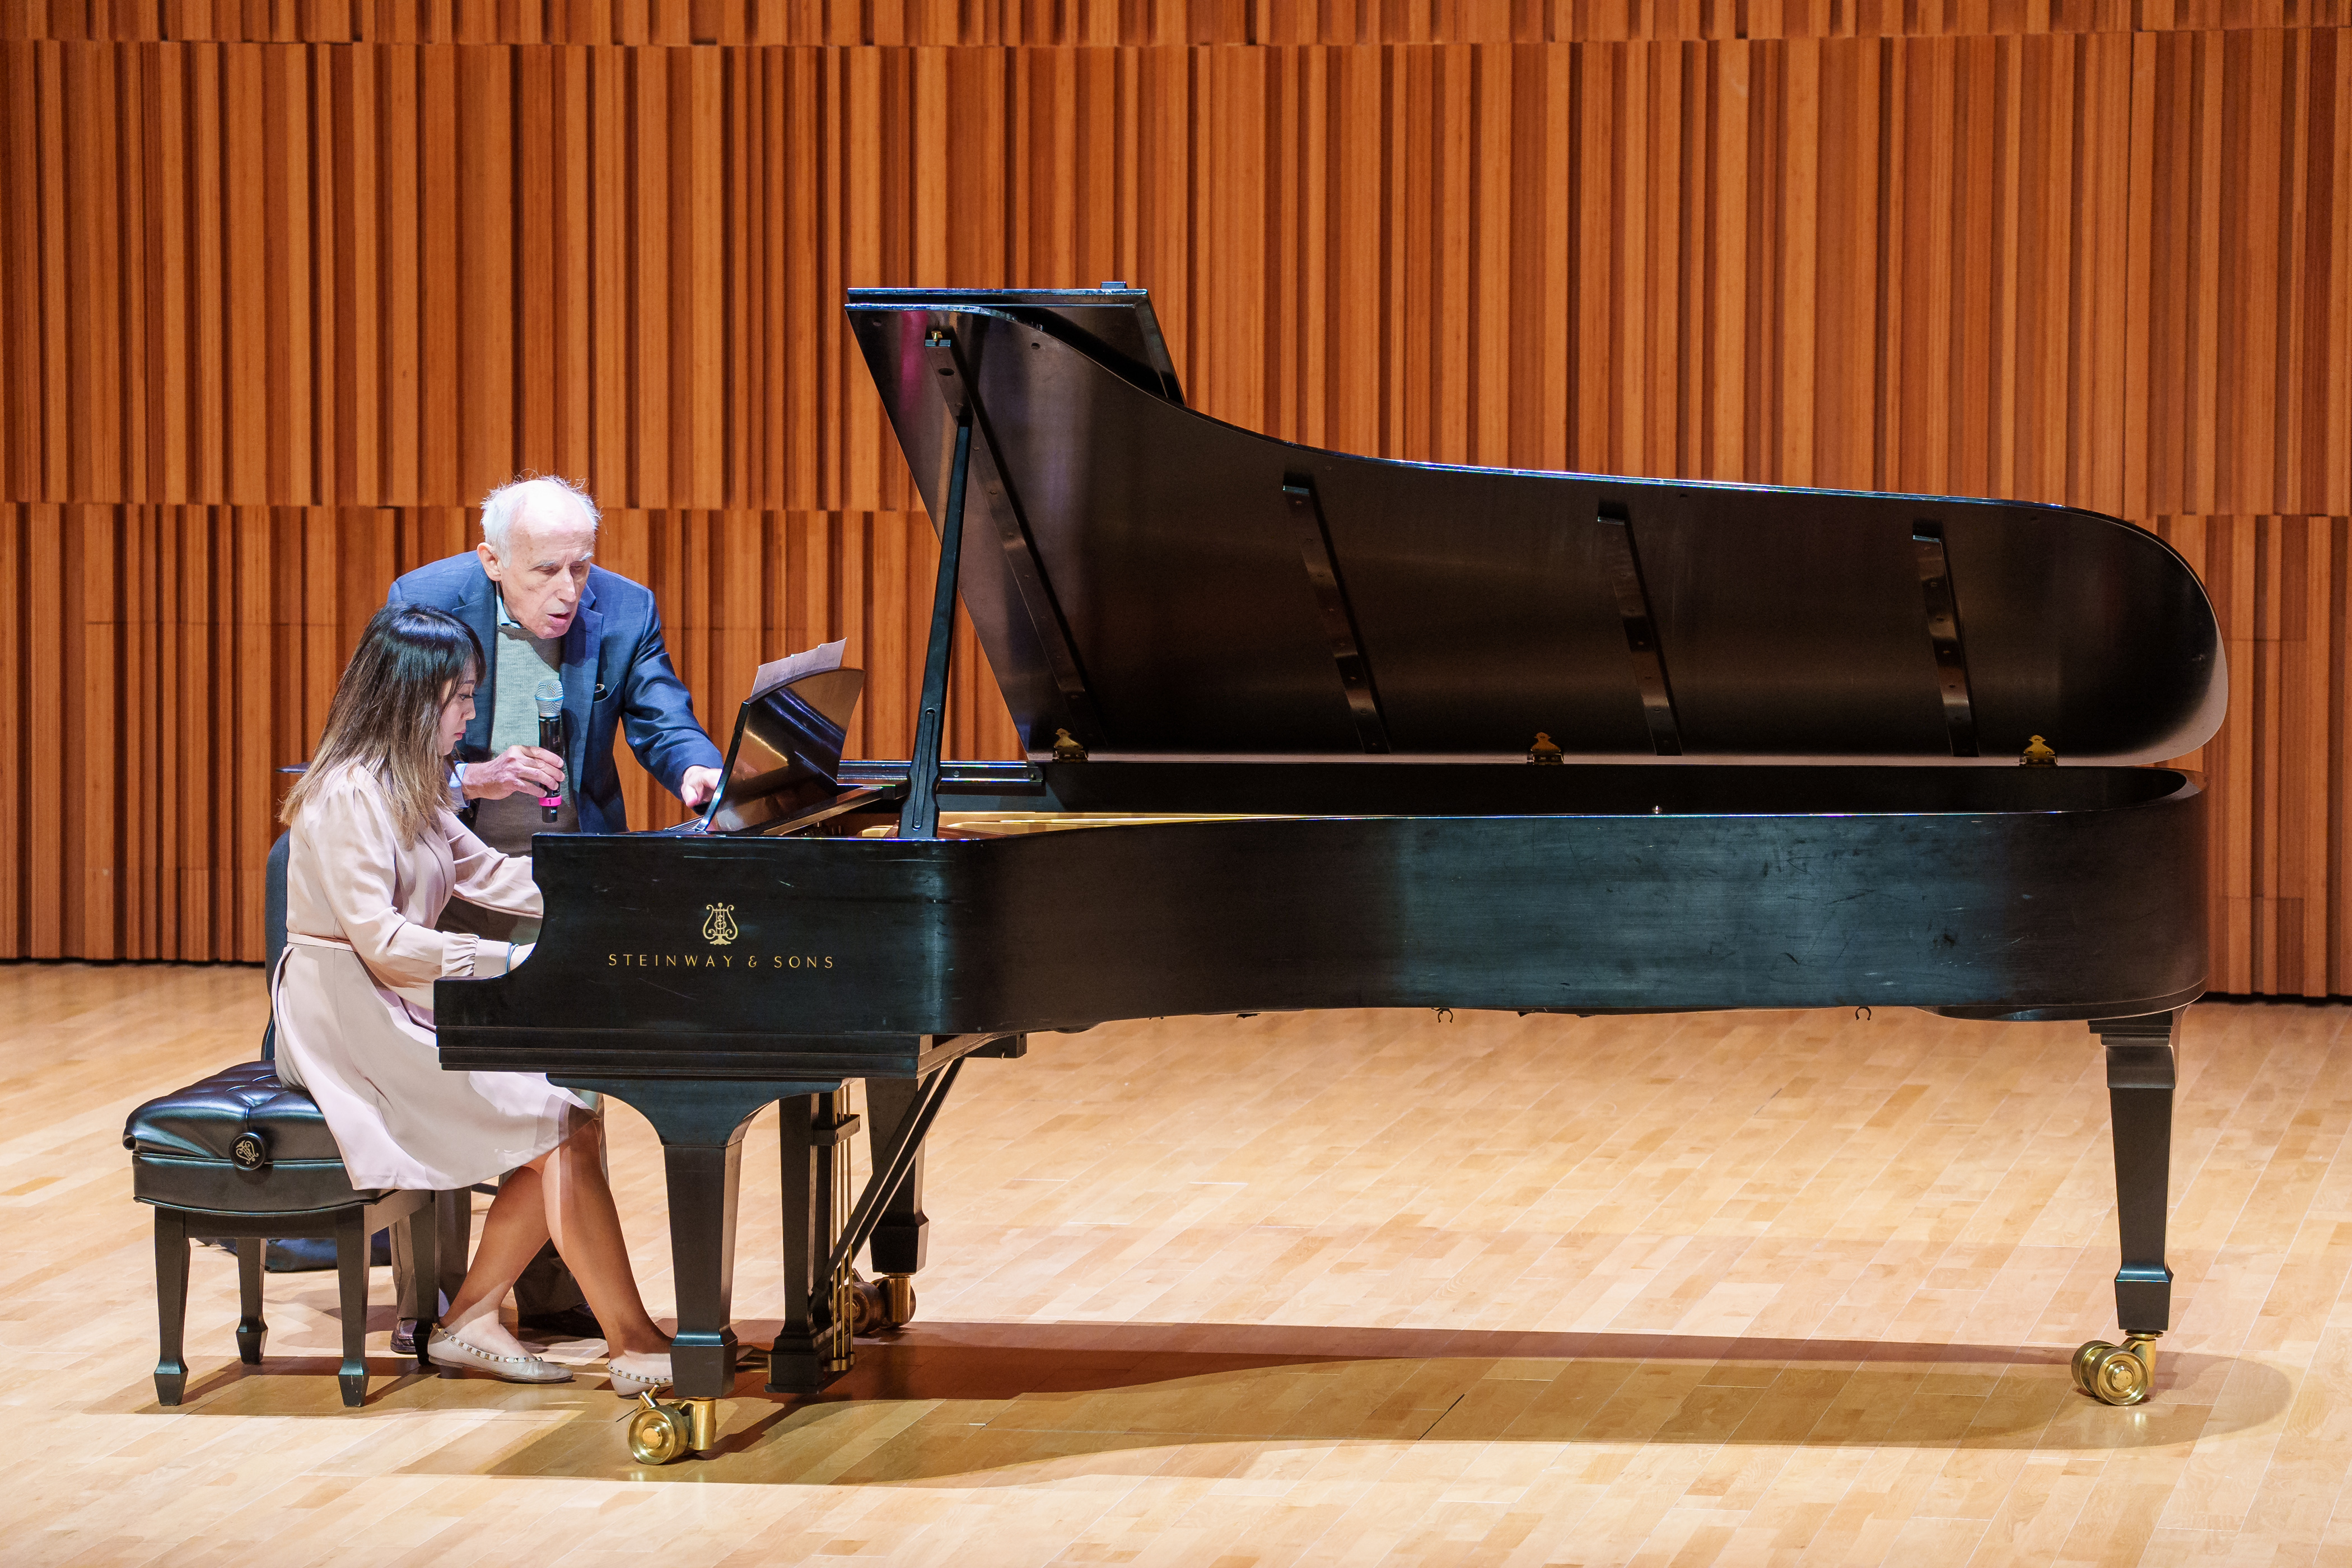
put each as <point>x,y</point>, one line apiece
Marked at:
<point>1113,325</point>
<point>1163,584</point>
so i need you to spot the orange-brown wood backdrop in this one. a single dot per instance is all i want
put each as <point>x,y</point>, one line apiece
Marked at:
<point>286,284</point>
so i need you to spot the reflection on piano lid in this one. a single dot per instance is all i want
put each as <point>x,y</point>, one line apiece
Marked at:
<point>1112,326</point>
<point>784,766</point>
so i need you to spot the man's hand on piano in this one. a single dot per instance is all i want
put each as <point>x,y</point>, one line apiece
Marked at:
<point>517,768</point>
<point>697,786</point>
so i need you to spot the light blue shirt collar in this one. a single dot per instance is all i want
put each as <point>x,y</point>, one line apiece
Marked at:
<point>507,623</point>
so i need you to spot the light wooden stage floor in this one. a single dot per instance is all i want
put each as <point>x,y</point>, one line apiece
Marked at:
<point>1316,1287</point>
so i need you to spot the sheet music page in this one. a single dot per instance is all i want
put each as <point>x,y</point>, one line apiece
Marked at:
<point>793,666</point>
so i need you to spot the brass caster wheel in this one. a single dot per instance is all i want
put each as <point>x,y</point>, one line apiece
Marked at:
<point>880,1306</point>
<point>897,1299</point>
<point>868,1306</point>
<point>657,1433</point>
<point>2084,1356</point>
<point>2116,1374</point>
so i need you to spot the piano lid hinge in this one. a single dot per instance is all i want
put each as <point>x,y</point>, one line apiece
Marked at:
<point>1944,635</point>
<point>1641,629</point>
<point>1337,615</point>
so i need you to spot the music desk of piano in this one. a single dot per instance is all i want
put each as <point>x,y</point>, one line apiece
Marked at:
<point>1349,732</point>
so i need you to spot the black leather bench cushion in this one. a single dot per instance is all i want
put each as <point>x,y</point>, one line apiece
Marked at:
<point>182,1148</point>
<point>202,1120</point>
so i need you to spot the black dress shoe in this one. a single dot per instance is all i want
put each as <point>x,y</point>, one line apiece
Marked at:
<point>404,1337</point>
<point>567,1323</point>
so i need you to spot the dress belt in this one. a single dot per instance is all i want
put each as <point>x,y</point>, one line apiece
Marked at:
<point>304,939</point>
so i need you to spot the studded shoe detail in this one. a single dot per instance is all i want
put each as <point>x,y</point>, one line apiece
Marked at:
<point>651,1374</point>
<point>446,1351</point>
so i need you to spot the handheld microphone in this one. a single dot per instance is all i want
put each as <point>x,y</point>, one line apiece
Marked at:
<point>549,700</point>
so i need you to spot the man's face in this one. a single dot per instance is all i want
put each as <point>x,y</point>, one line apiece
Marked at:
<point>545,567</point>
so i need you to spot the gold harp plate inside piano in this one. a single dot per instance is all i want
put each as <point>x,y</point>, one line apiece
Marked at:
<point>1004,823</point>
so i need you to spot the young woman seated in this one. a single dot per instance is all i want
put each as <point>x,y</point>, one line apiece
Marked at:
<point>376,851</point>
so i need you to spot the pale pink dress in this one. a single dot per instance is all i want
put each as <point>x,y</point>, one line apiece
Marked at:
<point>355,994</point>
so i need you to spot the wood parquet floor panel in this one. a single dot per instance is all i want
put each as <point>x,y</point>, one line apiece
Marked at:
<point>1375,1287</point>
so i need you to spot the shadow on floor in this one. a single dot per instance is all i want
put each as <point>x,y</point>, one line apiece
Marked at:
<point>1004,1404</point>
<point>982,1403</point>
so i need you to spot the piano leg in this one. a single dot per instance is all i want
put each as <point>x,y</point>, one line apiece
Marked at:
<point>700,1125</point>
<point>901,1236</point>
<point>2140,1072</point>
<point>814,1346</point>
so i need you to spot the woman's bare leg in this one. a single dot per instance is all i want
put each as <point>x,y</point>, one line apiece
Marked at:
<point>512,1233</point>
<point>580,1214</point>
<point>563,1195</point>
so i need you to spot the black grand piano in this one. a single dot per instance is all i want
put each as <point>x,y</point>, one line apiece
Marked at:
<point>1323,730</point>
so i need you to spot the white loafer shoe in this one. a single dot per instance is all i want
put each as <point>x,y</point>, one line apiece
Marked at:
<point>446,1351</point>
<point>643,1374</point>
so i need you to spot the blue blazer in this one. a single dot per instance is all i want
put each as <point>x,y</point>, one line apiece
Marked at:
<point>615,672</point>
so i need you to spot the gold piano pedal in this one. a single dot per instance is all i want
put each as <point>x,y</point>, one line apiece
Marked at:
<point>2116,1374</point>
<point>659,1433</point>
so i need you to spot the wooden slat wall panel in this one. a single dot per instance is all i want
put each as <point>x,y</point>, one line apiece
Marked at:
<point>1130,23</point>
<point>2052,266</point>
<point>162,661</point>
<point>285,289</point>
<point>2277,771</point>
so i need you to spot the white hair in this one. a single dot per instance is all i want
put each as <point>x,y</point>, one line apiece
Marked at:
<point>499,507</point>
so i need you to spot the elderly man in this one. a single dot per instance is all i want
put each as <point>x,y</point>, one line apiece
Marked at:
<point>548,617</point>
<point>544,612</point>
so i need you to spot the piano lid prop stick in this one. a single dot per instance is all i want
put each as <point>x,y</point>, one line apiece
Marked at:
<point>920,819</point>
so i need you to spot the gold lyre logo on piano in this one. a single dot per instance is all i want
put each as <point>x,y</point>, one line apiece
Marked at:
<point>719,928</point>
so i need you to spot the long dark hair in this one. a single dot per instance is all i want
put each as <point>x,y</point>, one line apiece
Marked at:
<point>386,714</point>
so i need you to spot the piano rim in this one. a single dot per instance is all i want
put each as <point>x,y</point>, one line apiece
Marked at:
<point>839,1053</point>
<point>774,1059</point>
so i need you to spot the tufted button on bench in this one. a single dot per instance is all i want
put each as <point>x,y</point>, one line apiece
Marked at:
<point>241,1154</point>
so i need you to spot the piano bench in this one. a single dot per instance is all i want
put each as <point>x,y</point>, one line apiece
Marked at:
<point>240,1155</point>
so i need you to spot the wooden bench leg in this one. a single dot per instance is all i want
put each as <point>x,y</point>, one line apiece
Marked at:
<point>250,1329</point>
<point>171,1305</point>
<point>455,1233</point>
<point>351,1274</point>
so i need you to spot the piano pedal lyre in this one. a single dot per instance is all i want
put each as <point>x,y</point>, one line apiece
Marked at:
<point>659,1433</point>
<point>2116,1374</point>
